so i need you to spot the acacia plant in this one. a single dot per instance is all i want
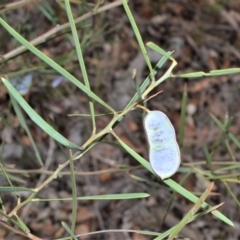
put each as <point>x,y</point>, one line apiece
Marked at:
<point>11,220</point>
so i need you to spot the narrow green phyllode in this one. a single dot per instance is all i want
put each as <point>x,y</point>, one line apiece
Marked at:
<point>164,153</point>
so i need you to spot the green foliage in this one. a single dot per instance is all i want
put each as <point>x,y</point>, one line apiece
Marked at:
<point>142,91</point>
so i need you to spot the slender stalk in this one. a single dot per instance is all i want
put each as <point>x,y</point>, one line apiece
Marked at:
<point>81,61</point>
<point>74,194</point>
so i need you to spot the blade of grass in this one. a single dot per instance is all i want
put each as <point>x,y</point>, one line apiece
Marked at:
<point>74,193</point>
<point>6,190</point>
<point>81,60</point>
<point>2,207</point>
<point>36,118</point>
<point>5,174</point>
<point>19,223</point>
<point>140,159</point>
<point>196,216</point>
<point>159,50</point>
<point>231,167</point>
<point>173,185</point>
<point>8,179</point>
<point>224,71</point>
<point>232,194</point>
<point>48,12</point>
<point>147,81</point>
<point>14,177</point>
<point>150,233</point>
<point>25,127</point>
<point>22,225</point>
<point>168,73</point>
<point>120,196</point>
<point>206,211</point>
<point>7,218</point>
<point>134,77</point>
<point>222,127</point>
<point>183,117</point>
<point>139,38</point>
<point>167,209</point>
<point>230,151</point>
<point>224,176</point>
<point>211,73</point>
<point>67,228</point>
<point>53,64</point>
<point>14,189</point>
<point>208,158</point>
<point>227,123</point>
<point>190,213</point>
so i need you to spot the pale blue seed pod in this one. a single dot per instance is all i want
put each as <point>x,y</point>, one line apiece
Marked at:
<point>164,153</point>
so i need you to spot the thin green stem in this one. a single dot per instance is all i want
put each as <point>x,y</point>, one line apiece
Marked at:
<point>81,61</point>
<point>139,38</point>
<point>74,194</point>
